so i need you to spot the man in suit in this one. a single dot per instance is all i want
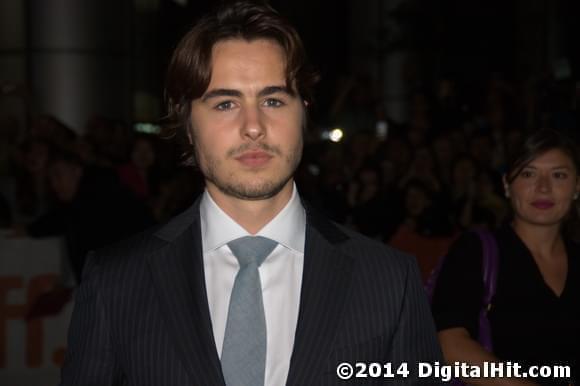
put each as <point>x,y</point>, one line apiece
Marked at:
<point>174,306</point>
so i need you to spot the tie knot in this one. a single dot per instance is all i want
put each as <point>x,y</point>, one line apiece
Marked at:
<point>252,249</point>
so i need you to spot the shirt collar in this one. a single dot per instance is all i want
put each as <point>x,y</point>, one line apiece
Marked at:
<point>288,227</point>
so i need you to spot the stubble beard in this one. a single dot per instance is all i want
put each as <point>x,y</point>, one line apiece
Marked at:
<point>247,190</point>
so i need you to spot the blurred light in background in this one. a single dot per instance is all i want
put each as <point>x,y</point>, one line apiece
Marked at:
<point>382,129</point>
<point>334,135</point>
<point>147,128</point>
<point>314,169</point>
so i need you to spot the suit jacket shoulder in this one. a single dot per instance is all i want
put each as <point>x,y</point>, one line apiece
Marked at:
<point>128,255</point>
<point>361,301</point>
<point>375,251</point>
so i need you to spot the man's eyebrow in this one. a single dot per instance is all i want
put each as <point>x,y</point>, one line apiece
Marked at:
<point>219,92</point>
<point>273,90</point>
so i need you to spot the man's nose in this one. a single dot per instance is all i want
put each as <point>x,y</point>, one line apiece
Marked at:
<point>253,126</point>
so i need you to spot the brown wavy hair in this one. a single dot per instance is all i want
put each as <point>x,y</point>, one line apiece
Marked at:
<point>189,70</point>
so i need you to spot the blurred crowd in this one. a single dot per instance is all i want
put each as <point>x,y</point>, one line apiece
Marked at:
<point>415,185</point>
<point>421,184</point>
<point>92,189</point>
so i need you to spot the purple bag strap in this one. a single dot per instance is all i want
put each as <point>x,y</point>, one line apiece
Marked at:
<point>490,263</point>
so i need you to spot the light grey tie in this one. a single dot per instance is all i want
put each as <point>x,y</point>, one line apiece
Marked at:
<point>244,350</point>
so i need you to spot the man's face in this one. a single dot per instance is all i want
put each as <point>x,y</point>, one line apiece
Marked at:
<point>247,127</point>
<point>65,179</point>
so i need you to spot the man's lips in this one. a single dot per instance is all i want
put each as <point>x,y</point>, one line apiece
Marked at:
<point>254,158</point>
<point>543,204</point>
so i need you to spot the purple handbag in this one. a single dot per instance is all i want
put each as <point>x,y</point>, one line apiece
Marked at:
<point>490,262</point>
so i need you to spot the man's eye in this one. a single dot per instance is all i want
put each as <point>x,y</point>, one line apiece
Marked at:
<point>272,102</point>
<point>227,105</point>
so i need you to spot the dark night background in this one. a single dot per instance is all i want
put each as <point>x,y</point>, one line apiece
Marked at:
<point>430,98</point>
<point>419,109</point>
<point>128,44</point>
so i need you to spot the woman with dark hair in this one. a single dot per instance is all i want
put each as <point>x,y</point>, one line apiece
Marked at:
<point>533,313</point>
<point>472,195</point>
<point>137,175</point>
<point>425,231</point>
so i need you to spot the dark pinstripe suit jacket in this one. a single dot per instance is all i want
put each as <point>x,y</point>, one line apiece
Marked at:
<point>141,315</point>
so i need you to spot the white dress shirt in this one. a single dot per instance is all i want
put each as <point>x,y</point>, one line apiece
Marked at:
<point>280,275</point>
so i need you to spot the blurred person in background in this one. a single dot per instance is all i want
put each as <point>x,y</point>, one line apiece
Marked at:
<point>493,206</point>
<point>359,147</point>
<point>512,140</point>
<point>354,107</point>
<point>482,148</point>
<point>443,156</point>
<point>51,130</point>
<point>24,182</point>
<point>138,175</point>
<point>448,106</point>
<point>106,142</point>
<point>534,312</point>
<point>177,191</point>
<point>9,136</point>
<point>398,154</point>
<point>423,168</point>
<point>425,231</point>
<point>419,127</point>
<point>27,189</point>
<point>321,178</point>
<point>92,209</point>
<point>472,197</point>
<point>367,200</point>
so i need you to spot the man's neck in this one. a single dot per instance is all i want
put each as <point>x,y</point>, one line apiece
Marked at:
<point>252,215</point>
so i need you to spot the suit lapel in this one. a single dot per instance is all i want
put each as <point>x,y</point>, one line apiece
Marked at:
<point>177,271</point>
<point>178,276</point>
<point>325,283</point>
